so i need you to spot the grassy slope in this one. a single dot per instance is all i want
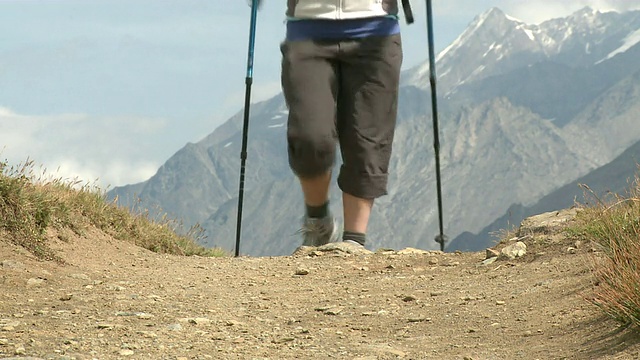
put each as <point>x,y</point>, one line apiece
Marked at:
<point>30,204</point>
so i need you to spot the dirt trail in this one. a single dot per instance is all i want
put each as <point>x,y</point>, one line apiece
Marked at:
<point>113,300</point>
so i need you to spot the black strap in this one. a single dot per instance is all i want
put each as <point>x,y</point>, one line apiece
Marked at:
<point>406,6</point>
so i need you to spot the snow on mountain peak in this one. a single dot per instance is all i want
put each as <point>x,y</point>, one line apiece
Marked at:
<point>488,34</point>
<point>586,11</point>
<point>627,43</point>
<point>493,12</point>
<point>489,19</point>
<point>488,44</point>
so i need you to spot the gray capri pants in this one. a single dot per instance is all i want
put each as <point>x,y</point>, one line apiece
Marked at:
<point>346,92</point>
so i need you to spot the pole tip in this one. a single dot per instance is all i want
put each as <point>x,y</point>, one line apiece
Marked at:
<point>441,239</point>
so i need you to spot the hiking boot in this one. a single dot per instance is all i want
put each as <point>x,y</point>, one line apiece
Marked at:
<point>319,231</point>
<point>353,243</point>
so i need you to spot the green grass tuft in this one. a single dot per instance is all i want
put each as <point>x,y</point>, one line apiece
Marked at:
<point>613,226</point>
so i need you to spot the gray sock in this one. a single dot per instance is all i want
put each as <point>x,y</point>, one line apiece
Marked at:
<point>318,212</point>
<point>360,238</point>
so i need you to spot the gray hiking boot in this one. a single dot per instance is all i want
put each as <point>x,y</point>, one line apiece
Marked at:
<point>353,243</point>
<point>318,232</point>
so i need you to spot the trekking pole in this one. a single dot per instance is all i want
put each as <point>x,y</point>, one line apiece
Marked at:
<point>440,238</point>
<point>245,127</point>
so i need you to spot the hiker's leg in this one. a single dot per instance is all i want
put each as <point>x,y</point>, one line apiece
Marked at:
<point>356,213</point>
<point>367,108</point>
<point>310,87</point>
<point>316,189</point>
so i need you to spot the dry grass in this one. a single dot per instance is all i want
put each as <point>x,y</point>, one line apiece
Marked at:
<point>30,204</point>
<point>613,225</point>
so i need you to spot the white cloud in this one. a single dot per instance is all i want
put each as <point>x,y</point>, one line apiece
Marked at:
<point>107,151</point>
<point>266,91</point>
<point>119,171</point>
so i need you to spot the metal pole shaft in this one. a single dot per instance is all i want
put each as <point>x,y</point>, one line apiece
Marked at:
<point>434,107</point>
<point>245,127</point>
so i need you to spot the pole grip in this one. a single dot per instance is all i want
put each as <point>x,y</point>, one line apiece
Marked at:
<point>408,13</point>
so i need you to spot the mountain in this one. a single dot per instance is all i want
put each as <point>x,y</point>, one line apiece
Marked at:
<point>614,178</point>
<point>525,110</point>
<point>495,43</point>
<point>542,85</point>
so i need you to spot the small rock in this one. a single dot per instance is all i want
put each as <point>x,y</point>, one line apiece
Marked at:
<point>499,302</point>
<point>413,251</point>
<point>234,323</point>
<point>547,223</point>
<point>219,336</point>
<point>489,261</point>
<point>284,340</point>
<point>126,352</point>
<point>409,298</point>
<point>571,250</point>
<point>491,253</point>
<point>334,311</point>
<point>35,281</point>
<point>66,297</point>
<point>5,323</point>
<point>125,313</point>
<point>433,261</point>
<point>71,342</point>
<point>4,342</point>
<point>80,277</point>
<point>148,334</point>
<point>302,272</point>
<point>418,319</point>
<point>514,251</point>
<point>13,265</point>
<point>199,321</point>
<point>343,247</point>
<point>174,327</point>
<point>396,353</point>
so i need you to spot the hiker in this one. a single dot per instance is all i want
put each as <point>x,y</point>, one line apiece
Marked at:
<point>340,76</point>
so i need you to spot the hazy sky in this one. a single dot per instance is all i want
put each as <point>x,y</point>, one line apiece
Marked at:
<point>108,90</point>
